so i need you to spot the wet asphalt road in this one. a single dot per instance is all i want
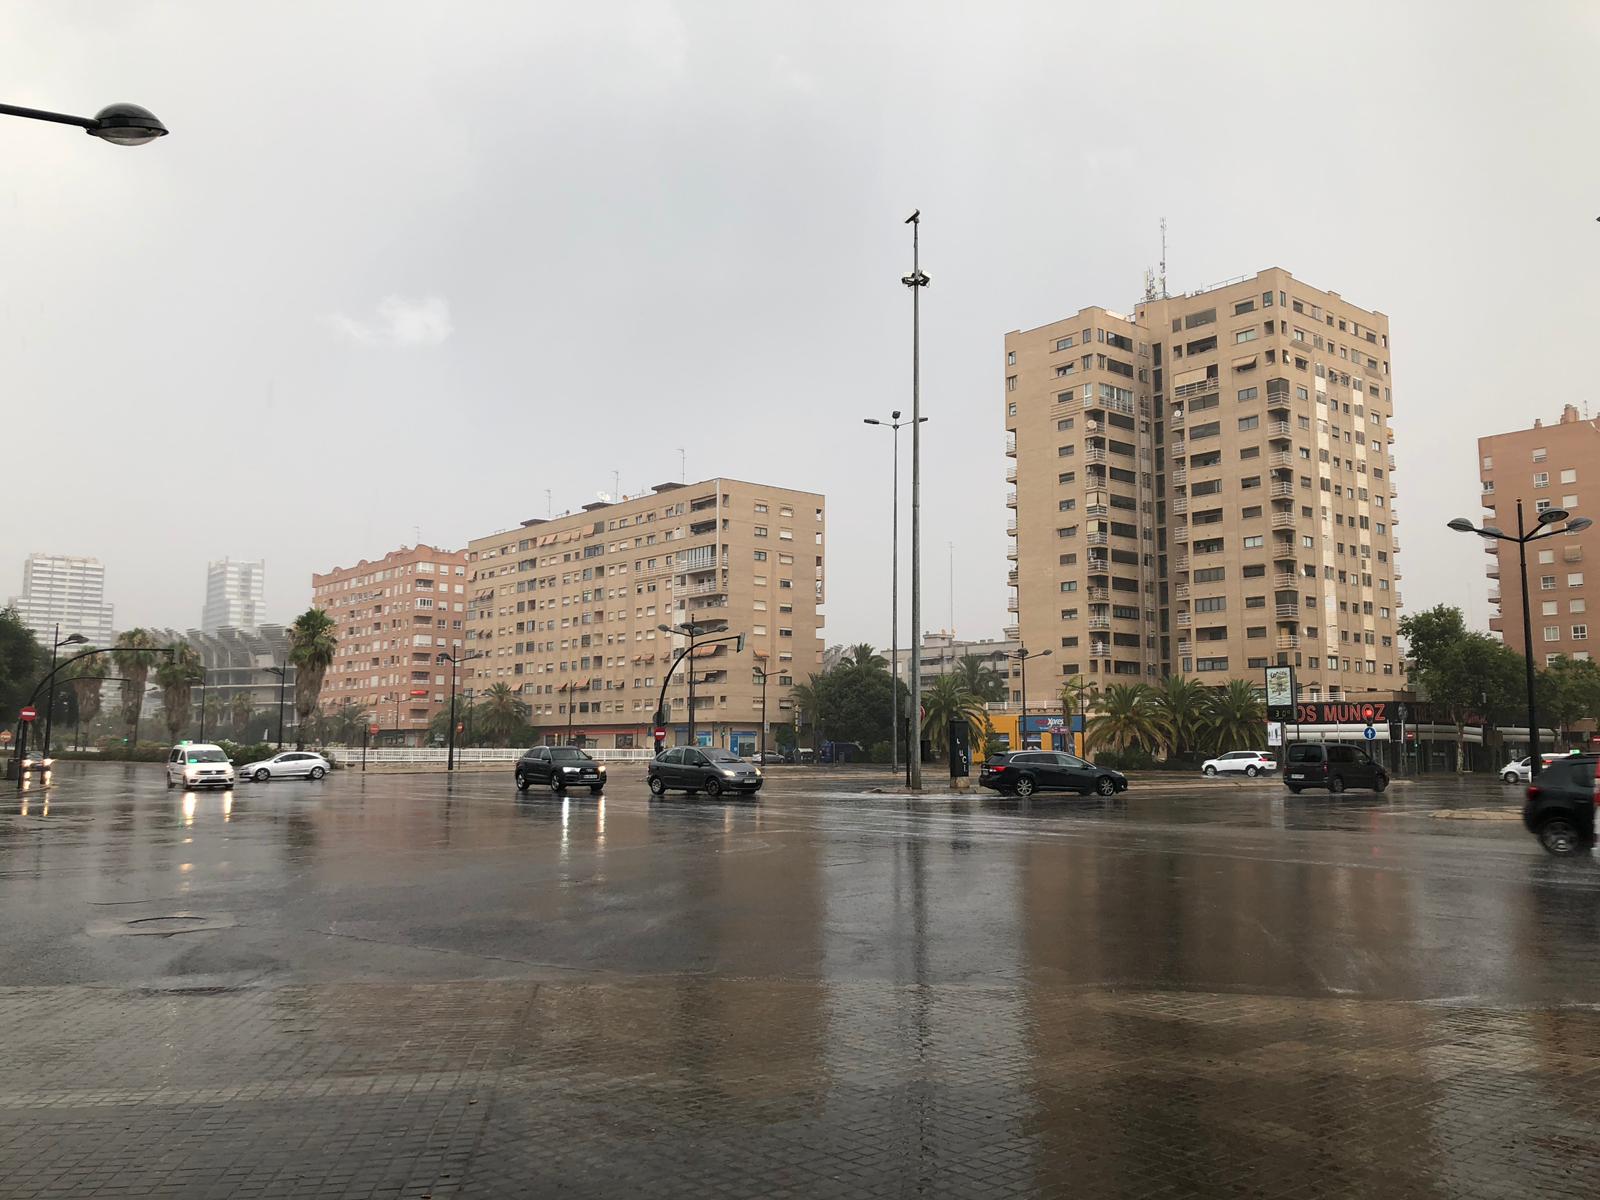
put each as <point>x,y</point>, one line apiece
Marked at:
<point>403,985</point>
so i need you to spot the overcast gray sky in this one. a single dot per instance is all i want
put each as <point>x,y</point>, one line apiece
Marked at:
<point>406,265</point>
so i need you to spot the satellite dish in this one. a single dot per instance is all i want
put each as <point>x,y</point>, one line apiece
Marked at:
<point>603,497</point>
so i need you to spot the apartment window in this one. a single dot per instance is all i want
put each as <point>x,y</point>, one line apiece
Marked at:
<point>1552,633</point>
<point>1250,481</point>
<point>1069,585</point>
<point>1210,664</point>
<point>761,556</point>
<point>1210,574</point>
<point>1250,422</point>
<point>1541,505</point>
<point>1569,476</point>
<point>1550,608</point>
<point>1575,579</point>
<point>1541,479</point>
<point>1547,583</point>
<point>1064,343</point>
<point>1575,606</point>
<point>1547,556</point>
<point>1248,393</point>
<point>1011,358</point>
<point>1245,335</point>
<point>1254,542</point>
<point>761,531</point>
<point>1011,409</point>
<point>1540,454</point>
<point>1580,633</point>
<point>1569,501</point>
<point>1011,383</point>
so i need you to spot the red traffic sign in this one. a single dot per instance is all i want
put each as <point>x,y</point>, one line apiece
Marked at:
<point>28,713</point>
<point>461,726</point>
<point>5,737</point>
<point>660,732</point>
<point>373,730</point>
<point>419,691</point>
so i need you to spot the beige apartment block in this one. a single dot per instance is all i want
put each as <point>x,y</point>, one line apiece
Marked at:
<point>1548,466</point>
<point>394,617</point>
<point>567,611</point>
<point>1204,487</point>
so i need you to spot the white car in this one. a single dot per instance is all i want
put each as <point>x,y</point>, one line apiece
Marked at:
<point>1241,762</point>
<point>197,765</point>
<point>1519,771</point>
<point>291,764</point>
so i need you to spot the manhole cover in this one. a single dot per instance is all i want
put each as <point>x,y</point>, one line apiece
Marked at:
<point>165,925</point>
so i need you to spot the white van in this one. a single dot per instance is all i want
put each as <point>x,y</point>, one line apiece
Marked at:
<point>198,765</point>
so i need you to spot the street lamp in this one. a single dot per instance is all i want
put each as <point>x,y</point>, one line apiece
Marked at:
<point>697,636</point>
<point>569,687</point>
<point>894,423</point>
<point>916,281</point>
<point>454,661</point>
<point>119,124</point>
<point>72,639</point>
<point>1022,655</point>
<point>283,674</point>
<point>1542,528</point>
<point>764,674</point>
<point>50,680</point>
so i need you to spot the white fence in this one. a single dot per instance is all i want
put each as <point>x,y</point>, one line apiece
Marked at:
<point>351,756</point>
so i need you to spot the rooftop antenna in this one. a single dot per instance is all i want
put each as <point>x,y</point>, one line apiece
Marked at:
<point>616,484</point>
<point>549,506</point>
<point>416,531</point>
<point>1163,280</point>
<point>683,468</point>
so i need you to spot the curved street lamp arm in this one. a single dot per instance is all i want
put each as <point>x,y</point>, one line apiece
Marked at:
<point>39,114</point>
<point>107,650</point>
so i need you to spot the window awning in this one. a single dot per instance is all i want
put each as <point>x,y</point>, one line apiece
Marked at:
<point>1185,378</point>
<point>1247,363</point>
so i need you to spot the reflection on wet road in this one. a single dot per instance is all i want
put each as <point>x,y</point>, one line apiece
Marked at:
<point>389,982</point>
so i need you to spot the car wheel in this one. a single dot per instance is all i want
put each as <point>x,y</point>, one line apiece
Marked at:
<point>1026,786</point>
<point>522,782</point>
<point>1210,772</point>
<point>1106,785</point>
<point>262,775</point>
<point>595,791</point>
<point>170,784</point>
<point>1336,784</point>
<point>1559,836</point>
<point>555,784</point>
<point>317,772</point>
<point>658,786</point>
<point>713,786</point>
<point>1380,783</point>
<point>1293,789</point>
<point>1509,777</point>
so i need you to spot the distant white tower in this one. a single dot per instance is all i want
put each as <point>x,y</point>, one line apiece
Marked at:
<point>234,595</point>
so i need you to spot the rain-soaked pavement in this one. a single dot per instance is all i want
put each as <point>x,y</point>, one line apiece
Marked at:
<point>391,985</point>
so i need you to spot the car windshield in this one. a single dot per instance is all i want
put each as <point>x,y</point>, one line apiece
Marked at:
<point>569,754</point>
<point>205,756</point>
<point>721,756</point>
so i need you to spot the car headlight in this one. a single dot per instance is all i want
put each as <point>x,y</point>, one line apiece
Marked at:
<point>601,768</point>
<point>730,774</point>
<point>569,770</point>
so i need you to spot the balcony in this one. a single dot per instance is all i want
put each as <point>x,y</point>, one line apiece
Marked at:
<point>1288,641</point>
<point>1097,402</point>
<point>1097,564</point>
<point>1185,646</point>
<point>1283,552</point>
<point>710,588</point>
<point>1282,489</point>
<point>1183,619</point>
<point>1012,605</point>
<point>1099,622</point>
<point>1011,527</point>
<point>1094,454</point>
<point>1279,429</point>
<point>1178,504</point>
<point>1099,649</point>
<point>1281,458</point>
<point>1180,533</point>
<point>1391,462</point>
<point>1011,577</point>
<point>1493,597</point>
<point>1288,611</point>
<point>1096,538</point>
<point>1283,520</point>
<point>1180,592</point>
<point>1179,477</point>
<point>1011,473</point>
<point>1178,448</point>
<point>1285,581</point>
<point>1011,632</point>
<point>1011,498</point>
<point>1096,510</point>
<point>1195,389</point>
<point>701,528</point>
<point>1099,595</point>
<point>1176,421</point>
<point>1180,561</point>
<point>1011,445</point>
<point>1493,570</point>
<point>1497,624</point>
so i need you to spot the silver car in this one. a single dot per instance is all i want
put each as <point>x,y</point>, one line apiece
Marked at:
<point>291,764</point>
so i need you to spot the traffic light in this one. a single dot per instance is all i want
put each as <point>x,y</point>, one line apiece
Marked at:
<point>1367,713</point>
<point>738,644</point>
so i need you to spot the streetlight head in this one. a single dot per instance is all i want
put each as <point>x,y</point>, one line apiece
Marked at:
<point>74,639</point>
<point>1490,531</point>
<point>666,629</point>
<point>1578,524</point>
<point>1462,525</point>
<point>871,421</point>
<point>127,125</point>
<point>1043,654</point>
<point>1551,515</point>
<point>895,415</point>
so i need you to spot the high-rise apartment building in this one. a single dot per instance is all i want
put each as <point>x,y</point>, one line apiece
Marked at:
<point>568,611</point>
<point>393,618</point>
<point>66,590</point>
<point>1204,487</point>
<point>234,595</point>
<point>1548,466</point>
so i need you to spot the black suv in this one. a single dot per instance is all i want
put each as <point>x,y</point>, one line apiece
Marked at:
<point>1331,765</point>
<point>558,768</point>
<point>1024,772</point>
<point>1560,807</point>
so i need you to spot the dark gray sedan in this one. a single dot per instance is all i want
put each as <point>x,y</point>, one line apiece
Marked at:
<point>712,771</point>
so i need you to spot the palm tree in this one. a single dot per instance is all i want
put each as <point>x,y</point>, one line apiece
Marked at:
<point>134,655</point>
<point>947,700</point>
<point>240,710</point>
<point>863,655</point>
<point>1180,709</point>
<point>1126,718</point>
<point>1235,716</point>
<point>177,677</point>
<point>807,699</point>
<point>981,679</point>
<point>311,646</point>
<point>347,723</point>
<point>502,715</point>
<point>87,681</point>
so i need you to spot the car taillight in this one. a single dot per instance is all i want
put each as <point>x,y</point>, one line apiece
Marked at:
<point>1533,791</point>
<point>1324,768</point>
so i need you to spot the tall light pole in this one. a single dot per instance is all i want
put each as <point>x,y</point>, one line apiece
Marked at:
<point>1022,655</point>
<point>119,124</point>
<point>894,422</point>
<point>283,675</point>
<point>763,673</point>
<point>697,637</point>
<point>454,660</point>
<point>916,281</point>
<point>72,639</point>
<point>1541,530</point>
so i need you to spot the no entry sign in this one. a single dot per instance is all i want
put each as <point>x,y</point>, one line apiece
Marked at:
<point>28,713</point>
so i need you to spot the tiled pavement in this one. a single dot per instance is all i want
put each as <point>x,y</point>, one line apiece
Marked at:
<point>697,1086</point>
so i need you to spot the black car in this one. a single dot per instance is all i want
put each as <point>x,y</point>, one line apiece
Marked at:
<point>1024,772</point>
<point>1331,765</point>
<point>558,768</point>
<point>712,771</point>
<point>1559,810</point>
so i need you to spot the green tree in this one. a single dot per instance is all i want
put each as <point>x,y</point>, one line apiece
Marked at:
<point>981,679</point>
<point>23,663</point>
<point>1235,717</point>
<point>240,709</point>
<point>86,679</point>
<point>176,677</point>
<point>862,655</point>
<point>1429,635</point>
<point>807,706</point>
<point>1568,691</point>
<point>1472,676</point>
<point>502,717</point>
<point>312,642</point>
<point>947,700</point>
<point>1179,706</point>
<point>347,723</point>
<point>1127,717</point>
<point>134,652</point>
<point>854,704</point>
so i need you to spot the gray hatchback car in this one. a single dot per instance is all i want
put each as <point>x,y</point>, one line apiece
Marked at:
<point>710,770</point>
